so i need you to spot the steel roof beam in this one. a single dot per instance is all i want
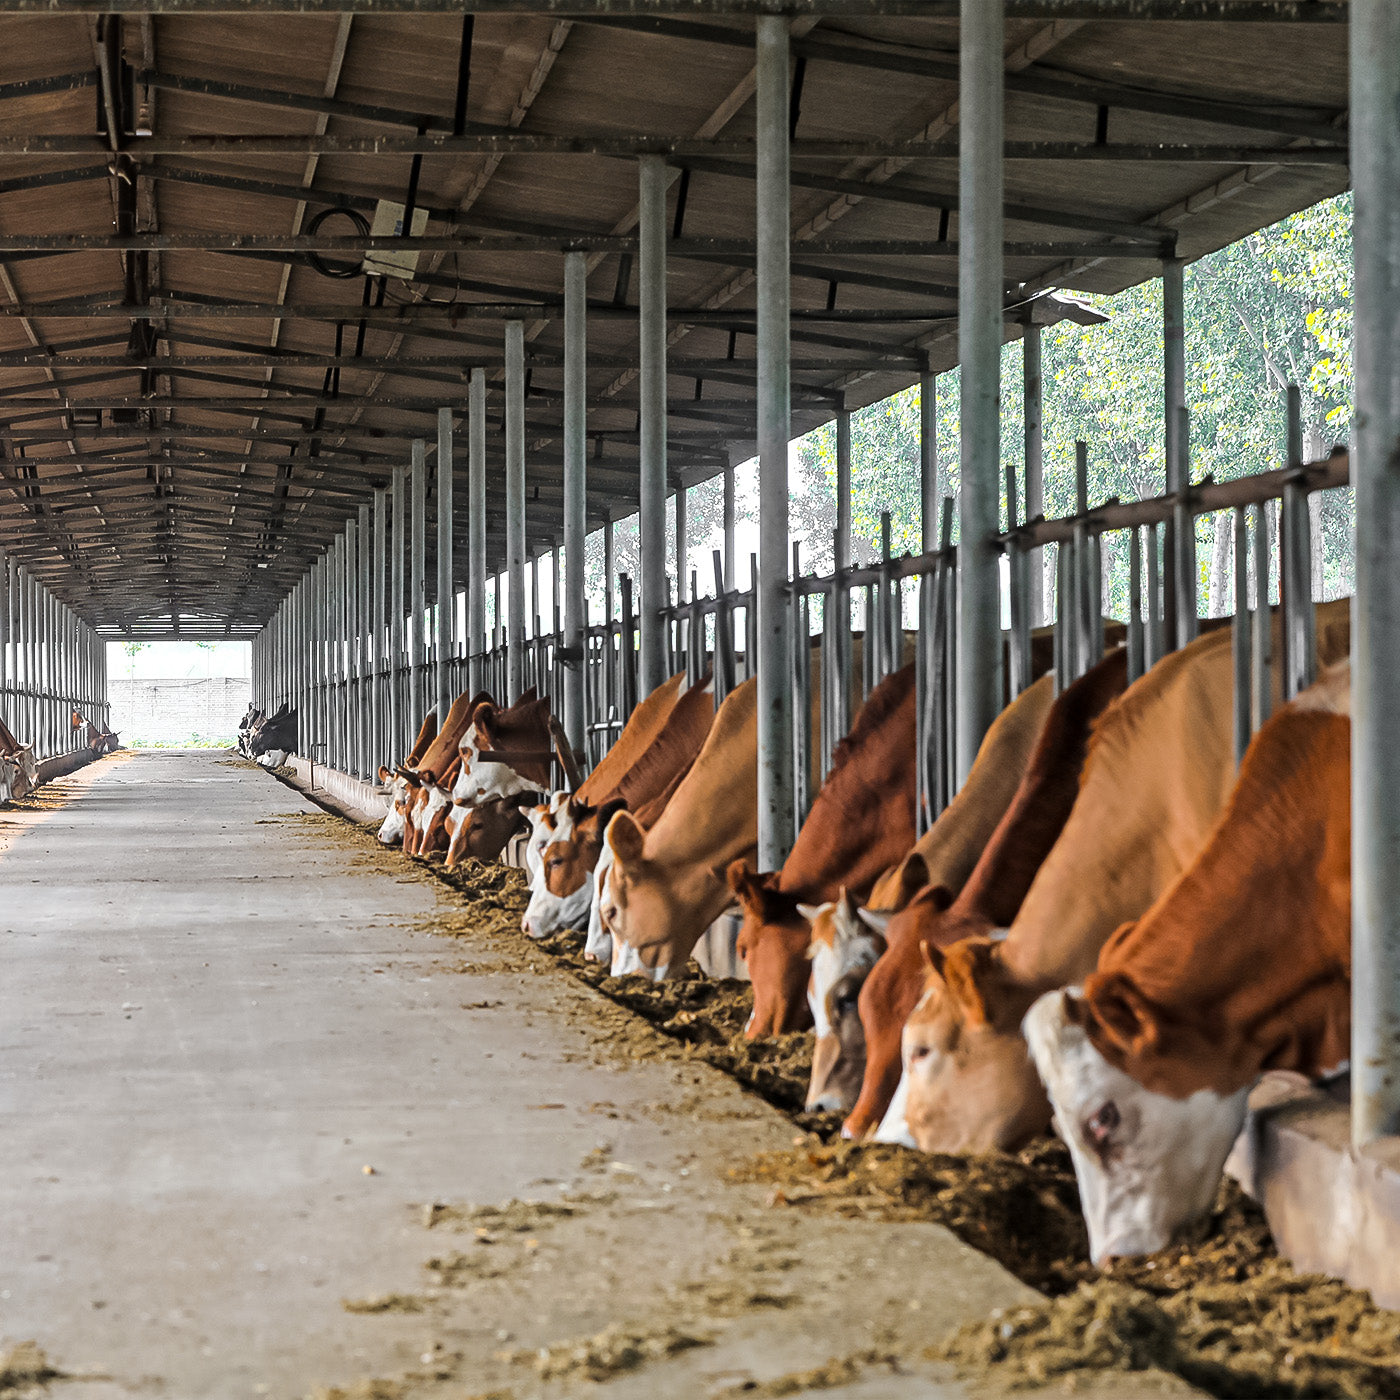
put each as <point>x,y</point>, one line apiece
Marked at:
<point>1127,11</point>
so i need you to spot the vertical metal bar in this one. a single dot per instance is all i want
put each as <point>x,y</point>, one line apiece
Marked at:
<point>980,310</point>
<point>1240,634</point>
<point>843,489</point>
<point>1032,393</point>
<point>802,701</point>
<point>1184,532</point>
<point>929,495</point>
<point>776,799</point>
<point>445,604</point>
<point>1375,97</point>
<point>363,756</point>
<point>651,512</point>
<point>1081,648</point>
<point>575,491</point>
<point>417,583</point>
<point>1262,700</point>
<point>1156,623</point>
<point>1173,402</point>
<point>515,508</point>
<point>1136,657</point>
<point>400,743</point>
<point>476,531</point>
<point>1295,564</point>
<point>1017,562</point>
<point>384,739</point>
<point>731,579</point>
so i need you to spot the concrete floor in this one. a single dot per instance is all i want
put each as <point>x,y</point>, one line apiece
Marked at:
<point>215,1015</point>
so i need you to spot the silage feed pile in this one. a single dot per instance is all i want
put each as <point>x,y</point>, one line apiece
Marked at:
<point>1224,1312</point>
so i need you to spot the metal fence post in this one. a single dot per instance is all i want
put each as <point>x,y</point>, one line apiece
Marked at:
<point>651,511</point>
<point>446,608</point>
<point>476,532</point>
<point>515,508</point>
<point>776,798</point>
<point>1375,135</point>
<point>418,583</point>
<point>980,310</point>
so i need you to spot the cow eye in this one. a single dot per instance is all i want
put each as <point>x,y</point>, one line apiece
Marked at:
<point>847,1003</point>
<point>1099,1126</point>
<point>919,1052</point>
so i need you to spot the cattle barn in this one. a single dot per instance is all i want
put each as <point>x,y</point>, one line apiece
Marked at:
<point>618,970</point>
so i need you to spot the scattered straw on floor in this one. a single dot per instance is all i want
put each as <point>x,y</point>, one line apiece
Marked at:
<point>24,1366</point>
<point>615,1349</point>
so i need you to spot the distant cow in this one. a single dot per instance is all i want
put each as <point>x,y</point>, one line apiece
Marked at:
<point>274,738</point>
<point>19,769</point>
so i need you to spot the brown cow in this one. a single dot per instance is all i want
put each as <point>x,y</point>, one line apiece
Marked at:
<point>488,827</point>
<point>937,918</point>
<point>1243,965</point>
<point>861,822</point>
<point>562,889</point>
<point>426,797</point>
<point>1160,768</point>
<point>666,885</point>
<point>391,831</point>
<point>945,855</point>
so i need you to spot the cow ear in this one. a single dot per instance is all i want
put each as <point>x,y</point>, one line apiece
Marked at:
<point>810,911</point>
<point>609,810</point>
<point>876,920</point>
<point>976,982</point>
<point>913,877</point>
<point>626,837</point>
<point>527,695</point>
<point>932,957</point>
<point>739,877</point>
<point>410,777</point>
<point>1124,1016</point>
<point>383,773</point>
<point>939,896</point>
<point>483,720</point>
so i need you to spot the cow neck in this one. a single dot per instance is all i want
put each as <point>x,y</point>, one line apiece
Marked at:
<point>712,817</point>
<point>1161,762</point>
<point>1037,815</point>
<point>863,818</point>
<point>669,756</point>
<point>953,845</point>
<point>1244,964</point>
<point>645,723</point>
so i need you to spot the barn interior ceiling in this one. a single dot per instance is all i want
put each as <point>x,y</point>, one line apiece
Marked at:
<point>214,346</point>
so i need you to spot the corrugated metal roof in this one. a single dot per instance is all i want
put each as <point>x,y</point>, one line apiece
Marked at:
<point>173,449</point>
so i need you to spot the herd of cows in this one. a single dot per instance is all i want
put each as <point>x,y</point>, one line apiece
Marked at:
<point>19,765</point>
<point>268,739</point>
<point>1112,928</point>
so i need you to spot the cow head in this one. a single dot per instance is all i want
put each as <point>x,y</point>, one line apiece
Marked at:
<point>481,832</point>
<point>430,818</point>
<point>561,894</point>
<point>890,990</point>
<point>773,941</point>
<point>642,905</point>
<point>391,831</point>
<point>843,950</point>
<point>549,820</point>
<point>970,1083</point>
<point>486,778</point>
<point>598,946</point>
<point>19,771</point>
<point>1147,1165</point>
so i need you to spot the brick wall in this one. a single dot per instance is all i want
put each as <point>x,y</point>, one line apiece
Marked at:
<point>172,711</point>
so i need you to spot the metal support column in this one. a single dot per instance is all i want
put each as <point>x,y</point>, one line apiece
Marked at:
<point>1173,406</point>
<point>476,532</point>
<point>383,739</point>
<point>400,741</point>
<point>1375,447</point>
<point>651,508</point>
<point>445,602</point>
<point>515,509</point>
<point>980,182</point>
<point>417,583</point>
<point>1033,399</point>
<point>575,494</point>
<point>776,795</point>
